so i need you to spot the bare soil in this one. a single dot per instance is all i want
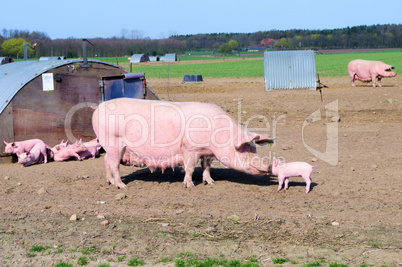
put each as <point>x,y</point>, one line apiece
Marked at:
<point>351,216</point>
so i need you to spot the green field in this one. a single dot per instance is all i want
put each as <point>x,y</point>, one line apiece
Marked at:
<point>336,64</point>
<point>248,65</point>
<point>327,65</point>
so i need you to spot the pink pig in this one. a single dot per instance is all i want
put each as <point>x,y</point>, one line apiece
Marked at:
<point>37,154</point>
<point>20,147</point>
<point>70,151</point>
<point>292,169</point>
<point>366,71</point>
<point>60,146</point>
<point>161,134</point>
<point>92,151</point>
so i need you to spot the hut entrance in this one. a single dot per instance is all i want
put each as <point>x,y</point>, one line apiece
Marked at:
<point>131,85</point>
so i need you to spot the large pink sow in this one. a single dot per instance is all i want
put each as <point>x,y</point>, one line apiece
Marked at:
<point>366,71</point>
<point>162,134</point>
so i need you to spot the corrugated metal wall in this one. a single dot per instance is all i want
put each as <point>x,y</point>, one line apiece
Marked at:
<point>289,70</point>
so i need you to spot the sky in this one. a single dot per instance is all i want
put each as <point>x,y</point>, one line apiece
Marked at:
<point>158,19</point>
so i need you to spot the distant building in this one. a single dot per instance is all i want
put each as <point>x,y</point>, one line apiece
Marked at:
<point>154,58</point>
<point>169,57</point>
<point>6,60</point>
<point>137,58</point>
<point>269,42</point>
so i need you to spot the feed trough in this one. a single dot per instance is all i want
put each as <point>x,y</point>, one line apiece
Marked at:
<point>192,78</point>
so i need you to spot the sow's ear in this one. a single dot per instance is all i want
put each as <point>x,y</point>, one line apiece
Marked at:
<point>262,141</point>
<point>247,141</point>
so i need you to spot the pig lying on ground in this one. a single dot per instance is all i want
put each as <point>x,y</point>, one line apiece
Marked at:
<point>20,147</point>
<point>92,151</point>
<point>62,144</point>
<point>366,71</point>
<point>292,169</point>
<point>37,154</point>
<point>69,151</point>
<point>160,134</point>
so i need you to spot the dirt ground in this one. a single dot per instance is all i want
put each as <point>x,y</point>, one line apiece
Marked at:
<point>351,216</point>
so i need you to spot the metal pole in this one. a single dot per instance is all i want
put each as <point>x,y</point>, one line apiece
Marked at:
<point>84,52</point>
<point>85,63</point>
<point>25,52</point>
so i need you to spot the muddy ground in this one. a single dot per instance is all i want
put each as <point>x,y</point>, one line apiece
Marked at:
<point>351,216</point>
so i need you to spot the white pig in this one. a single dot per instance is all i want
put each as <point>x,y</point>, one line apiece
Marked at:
<point>291,169</point>
<point>161,134</point>
<point>37,154</point>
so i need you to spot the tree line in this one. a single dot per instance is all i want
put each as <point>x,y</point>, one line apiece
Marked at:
<point>374,36</point>
<point>72,48</point>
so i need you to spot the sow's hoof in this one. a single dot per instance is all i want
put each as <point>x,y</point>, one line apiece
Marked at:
<point>188,184</point>
<point>121,186</point>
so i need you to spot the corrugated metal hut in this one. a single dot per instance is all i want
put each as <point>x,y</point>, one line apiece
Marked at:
<point>54,99</point>
<point>137,58</point>
<point>154,59</point>
<point>169,58</point>
<point>6,60</point>
<point>52,58</point>
<point>289,70</point>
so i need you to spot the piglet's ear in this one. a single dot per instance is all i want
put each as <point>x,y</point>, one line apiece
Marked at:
<point>5,142</point>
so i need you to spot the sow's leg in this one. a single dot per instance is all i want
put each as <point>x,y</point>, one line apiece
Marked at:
<point>379,82</point>
<point>112,166</point>
<point>353,78</point>
<point>189,165</point>
<point>109,178</point>
<point>206,167</point>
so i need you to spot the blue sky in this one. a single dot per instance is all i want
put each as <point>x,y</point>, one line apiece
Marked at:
<point>161,18</point>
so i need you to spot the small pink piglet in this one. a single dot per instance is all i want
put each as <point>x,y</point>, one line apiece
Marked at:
<point>70,151</point>
<point>20,147</point>
<point>292,169</point>
<point>37,154</point>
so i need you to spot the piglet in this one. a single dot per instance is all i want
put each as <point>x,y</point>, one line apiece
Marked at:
<point>92,151</point>
<point>37,154</point>
<point>70,151</point>
<point>62,144</point>
<point>20,147</point>
<point>292,169</point>
<point>58,147</point>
